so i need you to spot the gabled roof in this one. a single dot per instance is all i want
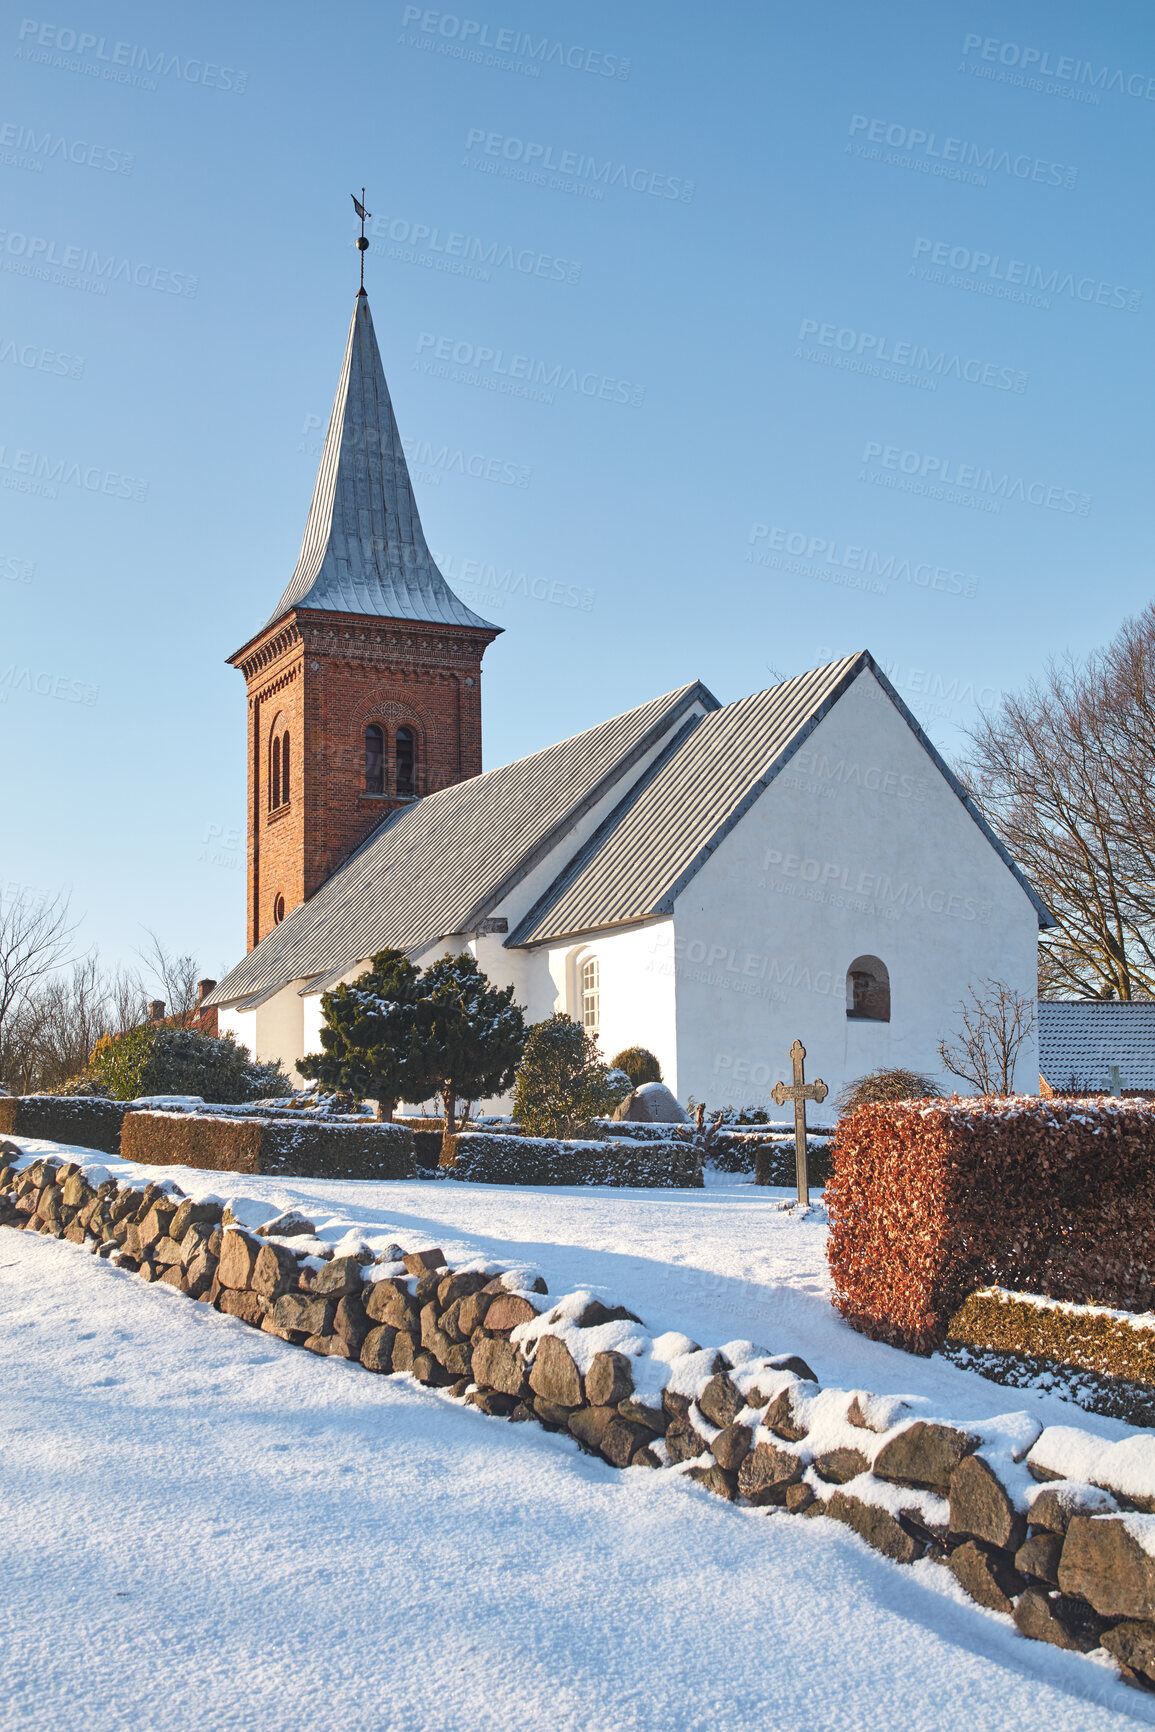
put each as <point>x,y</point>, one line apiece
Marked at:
<point>658,839</point>
<point>364,550</point>
<point>1080,1039</point>
<point>437,867</point>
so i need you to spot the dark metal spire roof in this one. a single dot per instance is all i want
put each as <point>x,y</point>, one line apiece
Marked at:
<point>364,550</point>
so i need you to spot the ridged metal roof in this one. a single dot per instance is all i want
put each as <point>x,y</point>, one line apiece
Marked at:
<point>436,867</point>
<point>1080,1039</point>
<point>650,848</point>
<point>364,550</point>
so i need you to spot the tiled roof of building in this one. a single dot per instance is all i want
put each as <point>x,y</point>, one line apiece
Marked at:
<point>1081,1039</point>
<point>364,550</point>
<point>436,867</point>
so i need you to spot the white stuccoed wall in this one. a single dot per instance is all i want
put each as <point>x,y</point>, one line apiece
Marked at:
<point>858,847</point>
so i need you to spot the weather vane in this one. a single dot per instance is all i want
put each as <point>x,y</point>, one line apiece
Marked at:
<point>362,243</point>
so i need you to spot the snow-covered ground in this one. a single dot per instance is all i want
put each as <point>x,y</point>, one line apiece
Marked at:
<point>204,1526</point>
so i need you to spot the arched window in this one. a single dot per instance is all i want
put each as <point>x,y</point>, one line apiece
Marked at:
<point>285,769</point>
<point>278,910</point>
<point>868,990</point>
<point>275,773</point>
<point>591,994</point>
<point>406,759</point>
<point>374,759</point>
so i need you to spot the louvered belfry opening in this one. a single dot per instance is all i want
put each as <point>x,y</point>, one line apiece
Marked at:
<point>369,664</point>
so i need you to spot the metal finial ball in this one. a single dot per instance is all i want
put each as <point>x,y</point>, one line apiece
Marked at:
<point>363,243</point>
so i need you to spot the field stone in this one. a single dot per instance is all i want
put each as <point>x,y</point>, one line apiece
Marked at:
<point>675,1404</point>
<point>715,1479</point>
<point>498,1365</point>
<point>76,1191</point>
<point>683,1443</point>
<point>328,1345</point>
<point>385,1302</point>
<point>721,1401</point>
<point>350,1325</point>
<point>621,1441</point>
<point>274,1272</point>
<point>924,1454</point>
<point>303,1314</point>
<point>799,1498</point>
<point>377,1349</point>
<point>589,1425</point>
<point>641,1413</point>
<point>1055,1505</point>
<point>765,1473</point>
<point>839,1466</point>
<point>450,1321</point>
<point>452,1288</point>
<point>1108,1567</point>
<point>552,1416</point>
<point>981,1508</point>
<point>595,1313</point>
<point>428,1370</point>
<point>1132,1643</point>
<point>731,1446</point>
<point>199,1270</point>
<point>404,1348</point>
<point>507,1310</point>
<point>492,1401</point>
<point>191,1213</point>
<point>289,1225</point>
<point>74,1234</point>
<point>237,1302</point>
<point>239,1252</point>
<point>336,1278</point>
<point>172,1276</point>
<point>426,1289</point>
<point>876,1526</point>
<point>420,1262</point>
<point>555,1377</point>
<point>647,1456</point>
<point>459,1360</point>
<point>986,1575</point>
<point>1039,1556</point>
<point>163,1251</point>
<point>1063,1622</point>
<point>610,1379</point>
<point>472,1313</point>
<point>779,1416</point>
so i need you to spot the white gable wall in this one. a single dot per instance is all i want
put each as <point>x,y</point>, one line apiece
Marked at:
<point>859,847</point>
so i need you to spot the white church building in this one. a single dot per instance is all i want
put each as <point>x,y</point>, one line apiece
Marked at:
<point>711,881</point>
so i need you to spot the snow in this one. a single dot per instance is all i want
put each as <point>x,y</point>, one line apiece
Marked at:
<point>200,1524</point>
<point>1133,1319</point>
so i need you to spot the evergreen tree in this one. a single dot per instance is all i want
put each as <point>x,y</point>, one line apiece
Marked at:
<point>375,1036</point>
<point>562,1083</point>
<point>472,1036</point>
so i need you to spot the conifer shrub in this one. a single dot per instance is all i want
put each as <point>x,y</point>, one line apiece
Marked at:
<point>562,1086</point>
<point>639,1064</point>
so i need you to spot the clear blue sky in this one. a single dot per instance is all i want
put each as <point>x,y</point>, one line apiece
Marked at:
<point>788,270</point>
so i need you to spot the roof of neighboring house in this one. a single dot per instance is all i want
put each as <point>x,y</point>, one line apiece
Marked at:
<point>364,550</point>
<point>437,867</point>
<point>1080,1039</point>
<point>649,849</point>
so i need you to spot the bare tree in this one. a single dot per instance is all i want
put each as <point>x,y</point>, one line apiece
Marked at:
<point>1063,773</point>
<point>34,941</point>
<point>995,1024</point>
<point>74,1013</point>
<point>177,978</point>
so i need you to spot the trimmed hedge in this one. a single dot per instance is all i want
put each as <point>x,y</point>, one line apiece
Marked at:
<point>1069,1335</point>
<point>933,1199</point>
<point>221,1143</point>
<point>90,1121</point>
<point>773,1163</point>
<point>486,1158</point>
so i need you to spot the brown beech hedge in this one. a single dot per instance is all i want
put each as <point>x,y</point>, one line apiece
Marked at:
<point>930,1200</point>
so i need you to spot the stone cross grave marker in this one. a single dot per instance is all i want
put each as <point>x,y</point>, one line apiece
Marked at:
<point>799,1093</point>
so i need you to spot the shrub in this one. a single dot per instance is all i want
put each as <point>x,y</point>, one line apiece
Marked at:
<point>562,1086</point>
<point>155,1059</point>
<point>371,1035</point>
<point>88,1121</point>
<point>639,1065</point>
<point>931,1200</point>
<point>228,1143</point>
<point>886,1085</point>
<point>1067,1334</point>
<point>491,1158</point>
<point>82,1085</point>
<point>732,1117</point>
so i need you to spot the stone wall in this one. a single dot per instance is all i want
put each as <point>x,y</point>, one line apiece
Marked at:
<point>1054,1528</point>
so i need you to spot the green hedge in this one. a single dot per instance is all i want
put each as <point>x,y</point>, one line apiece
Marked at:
<point>87,1120</point>
<point>488,1158</point>
<point>224,1143</point>
<point>774,1163</point>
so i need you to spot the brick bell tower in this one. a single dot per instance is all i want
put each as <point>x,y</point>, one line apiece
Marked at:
<point>364,685</point>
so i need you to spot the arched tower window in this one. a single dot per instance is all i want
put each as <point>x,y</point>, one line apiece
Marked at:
<point>868,990</point>
<point>285,769</point>
<point>591,994</point>
<point>374,759</point>
<point>275,773</point>
<point>278,910</point>
<point>406,759</point>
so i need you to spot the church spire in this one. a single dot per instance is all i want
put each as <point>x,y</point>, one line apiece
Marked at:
<point>364,550</point>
